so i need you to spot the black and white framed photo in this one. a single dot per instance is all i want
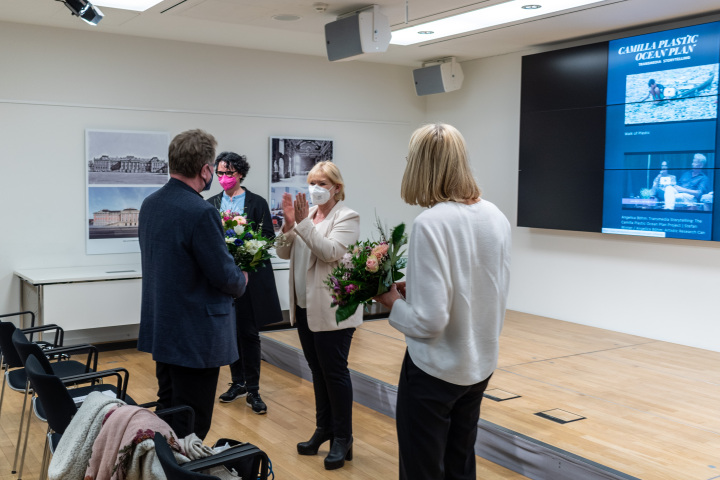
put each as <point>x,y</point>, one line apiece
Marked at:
<point>122,168</point>
<point>290,161</point>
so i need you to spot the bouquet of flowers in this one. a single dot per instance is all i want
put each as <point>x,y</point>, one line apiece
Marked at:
<point>246,245</point>
<point>367,269</point>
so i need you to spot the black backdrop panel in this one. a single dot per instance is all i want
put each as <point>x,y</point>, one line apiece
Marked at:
<point>562,161</point>
<point>568,78</point>
<point>560,199</point>
<point>559,139</point>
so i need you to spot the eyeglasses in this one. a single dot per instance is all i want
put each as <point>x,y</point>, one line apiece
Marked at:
<point>227,173</point>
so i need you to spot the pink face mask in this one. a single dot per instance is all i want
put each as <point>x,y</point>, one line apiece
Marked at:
<point>227,182</point>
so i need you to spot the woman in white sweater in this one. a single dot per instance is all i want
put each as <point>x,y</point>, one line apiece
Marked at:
<point>315,239</point>
<point>451,308</point>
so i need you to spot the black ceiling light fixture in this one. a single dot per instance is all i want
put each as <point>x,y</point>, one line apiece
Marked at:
<point>85,10</point>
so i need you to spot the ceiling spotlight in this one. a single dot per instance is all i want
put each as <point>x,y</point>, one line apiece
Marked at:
<point>531,7</point>
<point>426,32</point>
<point>84,10</point>
<point>320,7</point>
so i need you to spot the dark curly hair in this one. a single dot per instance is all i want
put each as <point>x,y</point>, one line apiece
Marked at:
<point>237,162</point>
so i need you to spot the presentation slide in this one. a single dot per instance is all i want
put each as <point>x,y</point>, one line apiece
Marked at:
<point>661,133</point>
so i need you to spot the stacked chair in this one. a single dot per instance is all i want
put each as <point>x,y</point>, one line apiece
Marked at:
<point>13,364</point>
<point>59,404</point>
<point>33,367</point>
<point>10,362</point>
<point>60,408</point>
<point>66,369</point>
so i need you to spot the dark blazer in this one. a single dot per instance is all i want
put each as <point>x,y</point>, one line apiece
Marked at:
<point>261,298</point>
<point>188,281</point>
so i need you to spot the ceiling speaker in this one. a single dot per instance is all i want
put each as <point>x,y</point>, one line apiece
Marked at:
<point>439,78</point>
<point>357,33</point>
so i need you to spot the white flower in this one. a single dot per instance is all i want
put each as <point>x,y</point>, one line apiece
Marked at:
<point>229,240</point>
<point>347,260</point>
<point>252,246</point>
<point>239,229</point>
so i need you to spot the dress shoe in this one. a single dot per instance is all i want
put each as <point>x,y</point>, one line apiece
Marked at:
<point>311,446</point>
<point>340,451</point>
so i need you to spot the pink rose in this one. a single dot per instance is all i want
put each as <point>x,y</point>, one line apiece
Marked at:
<point>372,264</point>
<point>241,220</point>
<point>380,251</point>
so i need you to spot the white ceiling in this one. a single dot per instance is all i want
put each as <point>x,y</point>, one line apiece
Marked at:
<point>249,23</point>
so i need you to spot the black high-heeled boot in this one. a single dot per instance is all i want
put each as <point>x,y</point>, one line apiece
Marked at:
<point>311,446</point>
<point>340,451</point>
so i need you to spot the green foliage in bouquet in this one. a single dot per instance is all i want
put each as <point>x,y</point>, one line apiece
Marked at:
<point>246,244</point>
<point>368,269</point>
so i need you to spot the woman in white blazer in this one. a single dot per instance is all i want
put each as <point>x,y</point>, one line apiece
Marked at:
<point>315,239</point>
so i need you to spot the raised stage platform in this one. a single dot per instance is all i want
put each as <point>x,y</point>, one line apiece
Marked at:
<point>567,402</point>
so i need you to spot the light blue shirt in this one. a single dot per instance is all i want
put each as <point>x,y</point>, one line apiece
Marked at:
<point>235,204</point>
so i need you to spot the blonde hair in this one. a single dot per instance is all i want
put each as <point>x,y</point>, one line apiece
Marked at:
<point>332,172</point>
<point>437,167</point>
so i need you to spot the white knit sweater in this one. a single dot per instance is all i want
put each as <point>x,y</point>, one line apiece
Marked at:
<point>457,282</point>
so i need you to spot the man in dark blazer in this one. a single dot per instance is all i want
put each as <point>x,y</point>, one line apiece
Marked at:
<point>189,280</point>
<point>260,304</point>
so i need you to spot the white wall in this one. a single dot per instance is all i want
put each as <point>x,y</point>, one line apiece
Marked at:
<point>56,83</point>
<point>662,289</point>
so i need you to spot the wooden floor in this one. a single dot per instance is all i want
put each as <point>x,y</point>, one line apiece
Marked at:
<point>652,409</point>
<point>290,419</point>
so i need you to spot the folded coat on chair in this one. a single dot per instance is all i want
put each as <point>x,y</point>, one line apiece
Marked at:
<point>72,454</point>
<point>125,450</point>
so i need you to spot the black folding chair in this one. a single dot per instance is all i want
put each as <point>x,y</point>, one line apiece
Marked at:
<point>174,471</point>
<point>63,369</point>
<point>60,404</point>
<point>10,361</point>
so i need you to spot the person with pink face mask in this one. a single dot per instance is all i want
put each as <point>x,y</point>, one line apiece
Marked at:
<point>260,305</point>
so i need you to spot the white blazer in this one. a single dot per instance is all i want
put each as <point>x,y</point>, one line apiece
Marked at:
<point>328,242</point>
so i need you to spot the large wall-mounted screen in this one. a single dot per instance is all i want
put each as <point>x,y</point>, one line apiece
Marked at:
<point>621,136</point>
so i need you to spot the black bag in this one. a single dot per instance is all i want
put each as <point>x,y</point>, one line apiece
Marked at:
<point>245,458</point>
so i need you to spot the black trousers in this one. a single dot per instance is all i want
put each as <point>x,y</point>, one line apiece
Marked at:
<point>436,425</point>
<point>246,370</point>
<point>194,387</point>
<point>327,354</point>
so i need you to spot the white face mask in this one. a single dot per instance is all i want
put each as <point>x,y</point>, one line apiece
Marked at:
<point>318,195</point>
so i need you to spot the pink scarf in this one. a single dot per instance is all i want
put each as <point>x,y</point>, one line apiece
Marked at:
<point>123,429</point>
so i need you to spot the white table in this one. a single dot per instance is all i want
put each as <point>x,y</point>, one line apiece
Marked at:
<point>82,297</point>
<point>77,298</point>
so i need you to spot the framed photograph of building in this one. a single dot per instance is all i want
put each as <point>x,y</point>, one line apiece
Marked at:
<point>290,161</point>
<point>122,168</point>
